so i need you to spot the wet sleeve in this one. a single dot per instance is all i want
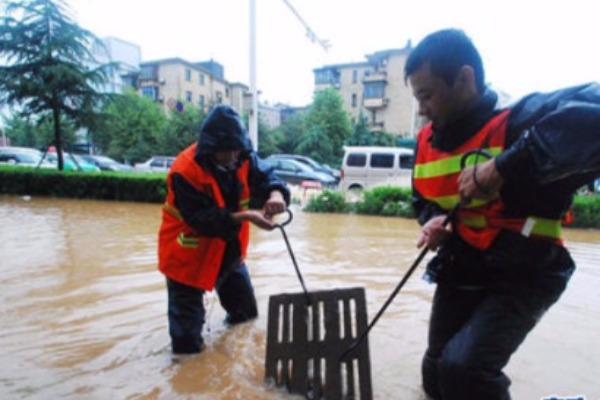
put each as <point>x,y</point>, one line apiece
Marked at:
<point>554,136</point>
<point>262,181</point>
<point>201,212</point>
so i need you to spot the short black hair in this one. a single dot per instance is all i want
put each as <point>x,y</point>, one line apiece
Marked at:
<point>447,51</point>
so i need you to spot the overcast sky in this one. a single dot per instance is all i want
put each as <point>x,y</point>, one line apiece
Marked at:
<point>526,45</point>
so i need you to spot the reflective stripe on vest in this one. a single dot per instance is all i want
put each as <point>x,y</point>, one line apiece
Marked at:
<point>531,226</point>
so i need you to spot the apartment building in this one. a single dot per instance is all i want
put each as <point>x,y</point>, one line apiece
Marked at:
<point>175,82</point>
<point>376,89</point>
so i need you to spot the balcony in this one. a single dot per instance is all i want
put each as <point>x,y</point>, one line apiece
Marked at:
<point>375,103</point>
<point>375,76</point>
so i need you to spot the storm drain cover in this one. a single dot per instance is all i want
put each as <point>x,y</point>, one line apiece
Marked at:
<point>307,338</point>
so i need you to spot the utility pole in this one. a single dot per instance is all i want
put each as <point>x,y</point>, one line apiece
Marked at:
<point>253,117</point>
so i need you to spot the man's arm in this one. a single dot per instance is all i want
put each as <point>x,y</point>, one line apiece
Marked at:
<point>201,211</point>
<point>554,136</point>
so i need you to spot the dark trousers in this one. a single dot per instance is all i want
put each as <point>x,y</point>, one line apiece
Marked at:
<point>187,313</point>
<point>473,333</point>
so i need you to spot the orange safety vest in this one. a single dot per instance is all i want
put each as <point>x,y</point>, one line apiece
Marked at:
<point>183,254</point>
<point>435,177</point>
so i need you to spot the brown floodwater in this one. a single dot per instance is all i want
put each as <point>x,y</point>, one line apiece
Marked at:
<point>83,308</point>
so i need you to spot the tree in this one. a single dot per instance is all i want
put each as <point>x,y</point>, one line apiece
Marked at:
<point>268,138</point>
<point>36,132</point>
<point>49,65</point>
<point>362,136</point>
<point>327,126</point>
<point>181,130</point>
<point>131,128</point>
<point>291,133</point>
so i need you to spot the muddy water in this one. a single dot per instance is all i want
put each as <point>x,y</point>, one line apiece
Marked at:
<point>83,310</point>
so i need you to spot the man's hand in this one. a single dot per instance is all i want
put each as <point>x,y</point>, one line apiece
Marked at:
<point>255,217</point>
<point>433,233</point>
<point>482,181</point>
<point>275,205</point>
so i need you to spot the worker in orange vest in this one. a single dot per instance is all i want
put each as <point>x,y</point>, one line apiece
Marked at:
<point>213,190</point>
<point>504,176</point>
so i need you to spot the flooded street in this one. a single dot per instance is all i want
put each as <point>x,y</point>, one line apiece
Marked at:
<point>83,307</point>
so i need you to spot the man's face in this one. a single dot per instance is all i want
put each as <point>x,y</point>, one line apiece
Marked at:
<point>226,158</point>
<point>437,101</point>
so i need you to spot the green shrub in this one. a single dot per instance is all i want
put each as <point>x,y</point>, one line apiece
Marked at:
<point>328,201</point>
<point>586,212</point>
<point>386,200</point>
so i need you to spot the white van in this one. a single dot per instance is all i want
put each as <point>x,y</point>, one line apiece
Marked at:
<point>364,167</point>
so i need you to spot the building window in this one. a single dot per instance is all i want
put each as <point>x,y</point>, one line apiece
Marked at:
<point>149,92</point>
<point>374,90</point>
<point>227,92</point>
<point>188,75</point>
<point>327,76</point>
<point>188,96</point>
<point>201,100</point>
<point>354,99</point>
<point>201,79</point>
<point>354,76</point>
<point>147,72</point>
<point>219,97</point>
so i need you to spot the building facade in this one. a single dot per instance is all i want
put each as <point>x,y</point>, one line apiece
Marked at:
<point>175,83</point>
<point>376,90</point>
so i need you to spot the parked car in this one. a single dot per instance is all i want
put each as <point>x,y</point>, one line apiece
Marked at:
<point>24,156</point>
<point>72,162</point>
<point>294,172</point>
<point>155,164</point>
<point>106,163</point>
<point>365,167</point>
<point>311,163</point>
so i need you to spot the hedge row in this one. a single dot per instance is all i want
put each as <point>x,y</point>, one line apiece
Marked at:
<point>120,186</point>
<point>151,188</point>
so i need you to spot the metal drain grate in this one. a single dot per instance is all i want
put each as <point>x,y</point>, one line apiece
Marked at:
<point>305,343</point>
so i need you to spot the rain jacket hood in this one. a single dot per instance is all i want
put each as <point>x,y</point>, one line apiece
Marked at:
<point>223,129</point>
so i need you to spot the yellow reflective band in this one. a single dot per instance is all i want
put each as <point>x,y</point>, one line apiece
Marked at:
<point>244,204</point>
<point>449,165</point>
<point>448,202</point>
<point>187,241</point>
<point>437,168</point>
<point>172,210</point>
<point>546,227</point>
<point>549,228</point>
